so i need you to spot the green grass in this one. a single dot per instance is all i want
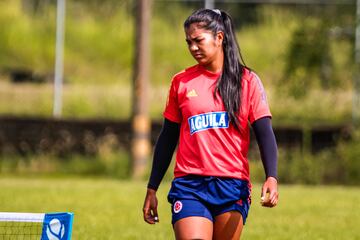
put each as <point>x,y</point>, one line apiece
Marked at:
<point>114,102</point>
<point>79,101</point>
<point>111,209</point>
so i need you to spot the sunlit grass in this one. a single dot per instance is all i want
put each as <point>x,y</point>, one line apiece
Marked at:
<point>114,101</point>
<point>112,209</point>
<point>318,108</point>
<point>78,100</point>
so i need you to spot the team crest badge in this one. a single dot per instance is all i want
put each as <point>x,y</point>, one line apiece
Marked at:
<point>240,202</point>
<point>177,206</point>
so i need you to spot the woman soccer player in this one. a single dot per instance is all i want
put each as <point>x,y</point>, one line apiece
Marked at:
<point>208,110</point>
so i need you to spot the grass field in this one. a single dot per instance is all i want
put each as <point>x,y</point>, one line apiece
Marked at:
<point>111,209</point>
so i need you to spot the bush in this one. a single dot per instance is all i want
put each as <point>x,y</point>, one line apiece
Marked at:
<point>338,165</point>
<point>102,157</point>
<point>348,153</point>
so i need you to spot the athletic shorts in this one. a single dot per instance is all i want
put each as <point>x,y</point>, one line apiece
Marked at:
<point>208,197</point>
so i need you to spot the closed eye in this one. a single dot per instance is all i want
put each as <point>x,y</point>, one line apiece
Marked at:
<point>197,40</point>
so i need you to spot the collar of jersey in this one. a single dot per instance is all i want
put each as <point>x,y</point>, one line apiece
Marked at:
<point>208,73</point>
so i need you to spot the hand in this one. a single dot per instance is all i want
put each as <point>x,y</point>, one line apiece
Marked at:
<point>269,193</point>
<point>150,207</point>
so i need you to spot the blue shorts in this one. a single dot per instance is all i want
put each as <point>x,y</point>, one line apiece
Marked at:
<point>208,197</point>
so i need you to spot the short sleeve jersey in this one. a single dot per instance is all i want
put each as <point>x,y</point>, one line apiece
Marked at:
<point>209,144</point>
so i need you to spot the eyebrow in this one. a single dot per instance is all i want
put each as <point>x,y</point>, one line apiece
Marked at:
<point>193,39</point>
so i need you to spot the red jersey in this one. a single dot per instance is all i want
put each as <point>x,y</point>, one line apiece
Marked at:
<point>209,145</point>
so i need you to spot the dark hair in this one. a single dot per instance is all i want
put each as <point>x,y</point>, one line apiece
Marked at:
<point>229,83</point>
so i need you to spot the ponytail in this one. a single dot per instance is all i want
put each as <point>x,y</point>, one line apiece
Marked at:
<point>229,84</point>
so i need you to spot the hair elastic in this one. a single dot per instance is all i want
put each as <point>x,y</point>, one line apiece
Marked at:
<point>217,11</point>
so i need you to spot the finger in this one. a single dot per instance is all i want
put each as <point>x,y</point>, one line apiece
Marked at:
<point>271,204</point>
<point>263,191</point>
<point>149,219</point>
<point>263,195</point>
<point>275,199</point>
<point>267,204</point>
<point>145,210</point>
<point>155,215</point>
<point>272,194</point>
<point>147,216</point>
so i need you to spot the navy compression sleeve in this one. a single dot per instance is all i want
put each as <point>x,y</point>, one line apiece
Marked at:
<point>163,152</point>
<point>267,144</point>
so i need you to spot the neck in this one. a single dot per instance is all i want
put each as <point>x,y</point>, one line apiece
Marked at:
<point>216,65</point>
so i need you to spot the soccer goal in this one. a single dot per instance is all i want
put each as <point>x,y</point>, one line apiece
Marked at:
<point>43,226</point>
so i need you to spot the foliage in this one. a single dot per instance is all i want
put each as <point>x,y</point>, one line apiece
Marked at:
<point>348,153</point>
<point>312,58</point>
<point>99,40</point>
<point>91,44</point>
<point>338,165</point>
<point>102,157</point>
<point>307,64</point>
<point>99,48</point>
<point>114,165</point>
<point>25,42</point>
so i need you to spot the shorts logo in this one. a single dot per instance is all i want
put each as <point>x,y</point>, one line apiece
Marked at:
<point>177,206</point>
<point>209,120</point>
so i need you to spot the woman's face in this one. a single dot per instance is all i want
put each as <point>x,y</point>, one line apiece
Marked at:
<point>203,45</point>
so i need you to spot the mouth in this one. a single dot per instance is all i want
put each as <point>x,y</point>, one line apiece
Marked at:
<point>198,55</point>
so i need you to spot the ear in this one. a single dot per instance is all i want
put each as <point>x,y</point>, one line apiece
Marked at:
<point>219,38</point>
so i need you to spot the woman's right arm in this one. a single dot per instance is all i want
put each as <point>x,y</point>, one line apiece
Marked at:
<point>164,149</point>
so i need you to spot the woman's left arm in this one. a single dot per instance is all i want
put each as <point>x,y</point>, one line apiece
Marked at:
<point>268,150</point>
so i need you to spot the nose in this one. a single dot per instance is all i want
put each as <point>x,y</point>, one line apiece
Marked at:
<point>193,47</point>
